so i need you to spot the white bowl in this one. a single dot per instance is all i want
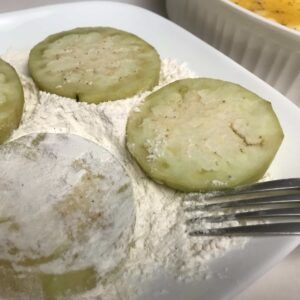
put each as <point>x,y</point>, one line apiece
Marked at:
<point>268,49</point>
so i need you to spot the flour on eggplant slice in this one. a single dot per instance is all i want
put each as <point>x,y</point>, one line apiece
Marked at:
<point>160,242</point>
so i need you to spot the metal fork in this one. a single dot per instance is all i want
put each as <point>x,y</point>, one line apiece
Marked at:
<point>276,202</point>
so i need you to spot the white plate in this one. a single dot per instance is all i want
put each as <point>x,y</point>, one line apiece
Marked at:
<point>237,269</point>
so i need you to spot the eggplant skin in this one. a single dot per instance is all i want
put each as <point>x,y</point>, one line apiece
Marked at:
<point>202,134</point>
<point>11,100</point>
<point>94,64</point>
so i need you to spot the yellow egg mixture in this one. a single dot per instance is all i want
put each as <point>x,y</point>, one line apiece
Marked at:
<point>285,12</point>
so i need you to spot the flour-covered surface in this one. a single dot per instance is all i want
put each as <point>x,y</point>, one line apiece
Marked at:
<point>160,242</point>
<point>76,205</point>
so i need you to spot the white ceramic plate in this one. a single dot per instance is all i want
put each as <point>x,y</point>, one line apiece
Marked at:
<point>233,272</point>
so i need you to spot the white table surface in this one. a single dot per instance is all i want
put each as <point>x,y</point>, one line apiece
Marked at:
<point>283,281</point>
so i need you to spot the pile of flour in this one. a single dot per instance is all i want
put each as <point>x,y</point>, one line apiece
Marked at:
<point>160,243</point>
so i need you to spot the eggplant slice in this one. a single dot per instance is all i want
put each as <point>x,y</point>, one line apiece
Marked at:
<point>203,134</point>
<point>94,64</point>
<point>11,100</point>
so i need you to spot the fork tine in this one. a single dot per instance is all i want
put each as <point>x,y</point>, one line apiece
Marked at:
<point>271,200</point>
<point>291,228</point>
<point>273,186</point>
<point>258,214</point>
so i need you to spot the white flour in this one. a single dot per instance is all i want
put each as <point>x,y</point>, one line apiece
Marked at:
<point>160,241</point>
<point>76,222</point>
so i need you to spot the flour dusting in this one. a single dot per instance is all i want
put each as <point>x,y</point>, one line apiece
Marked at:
<point>160,243</point>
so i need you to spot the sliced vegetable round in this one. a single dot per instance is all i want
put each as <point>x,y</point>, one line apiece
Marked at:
<point>94,64</point>
<point>72,217</point>
<point>11,100</point>
<point>16,284</point>
<point>204,134</point>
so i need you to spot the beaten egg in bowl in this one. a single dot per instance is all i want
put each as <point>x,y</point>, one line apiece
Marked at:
<point>285,12</point>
